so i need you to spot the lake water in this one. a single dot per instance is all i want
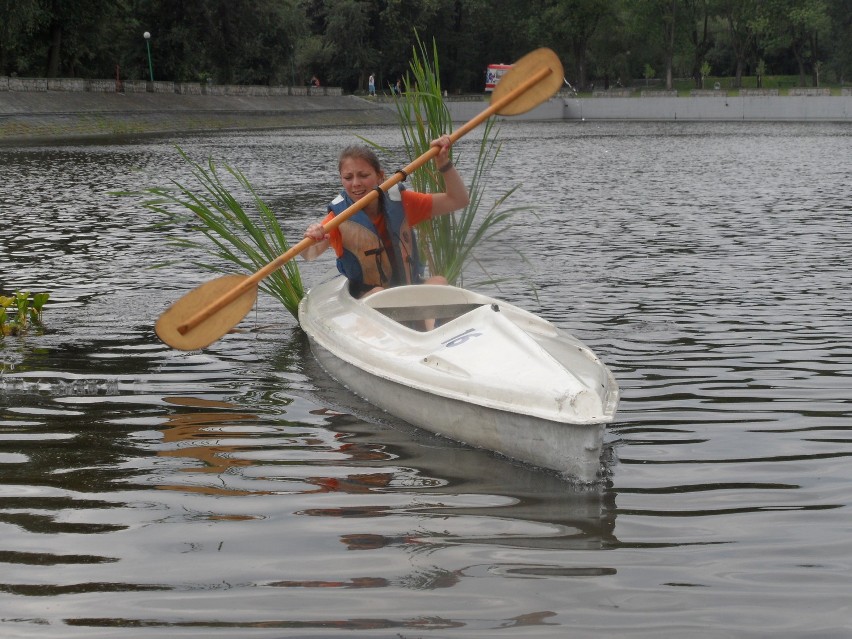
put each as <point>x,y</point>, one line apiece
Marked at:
<point>237,492</point>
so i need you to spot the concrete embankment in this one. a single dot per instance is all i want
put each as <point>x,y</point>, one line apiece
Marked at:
<point>30,116</point>
<point>46,116</point>
<point>787,108</point>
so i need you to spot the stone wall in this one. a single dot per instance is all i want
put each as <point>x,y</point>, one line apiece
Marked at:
<point>752,93</point>
<point>143,86</point>
<point>708,93</point>
<point>613,93</point>
<point>812,91</point>
<point>659,93</point>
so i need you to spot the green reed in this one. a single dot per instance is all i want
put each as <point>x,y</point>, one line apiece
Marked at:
<point>448,242</point>
<point>249,240</point>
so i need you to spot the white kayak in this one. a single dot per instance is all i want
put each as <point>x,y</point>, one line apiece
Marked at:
<point>491,375</point>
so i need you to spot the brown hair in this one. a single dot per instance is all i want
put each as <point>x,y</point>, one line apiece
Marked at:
<point>360,152</point>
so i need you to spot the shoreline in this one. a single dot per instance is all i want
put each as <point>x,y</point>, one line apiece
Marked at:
<point>662,107</point>
<point>36,117</point>
<point>44,117</point>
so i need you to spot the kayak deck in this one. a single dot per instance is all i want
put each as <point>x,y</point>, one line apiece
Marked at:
<point>489,374</point>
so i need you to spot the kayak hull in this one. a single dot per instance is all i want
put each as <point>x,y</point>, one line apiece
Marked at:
<point>490,375</point>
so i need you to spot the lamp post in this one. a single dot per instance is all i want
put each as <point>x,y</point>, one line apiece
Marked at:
<point>147,37</point>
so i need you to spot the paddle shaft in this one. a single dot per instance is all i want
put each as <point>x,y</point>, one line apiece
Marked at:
<point>337,220</point>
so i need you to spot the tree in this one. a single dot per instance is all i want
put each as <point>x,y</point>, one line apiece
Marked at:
<point>400,21</point>
<point>343,41</point>
<point>810,23</point>
<point>76,37</point>
<point>348,34</point>
<point>839,51</point>
<point>20,19</point>
<point>697,21</point>
<point>670,25</point>
<point>658,20</point>
<point>569,26</point>
<point>746,22</point>
<point>798,26</point>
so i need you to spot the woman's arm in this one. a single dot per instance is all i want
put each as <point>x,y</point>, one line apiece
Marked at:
<point>455,196</point>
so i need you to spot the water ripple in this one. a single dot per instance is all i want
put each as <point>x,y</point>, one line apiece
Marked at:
<point>237,490</point>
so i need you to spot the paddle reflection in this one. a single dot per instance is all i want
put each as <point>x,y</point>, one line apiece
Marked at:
<point>200,437</point>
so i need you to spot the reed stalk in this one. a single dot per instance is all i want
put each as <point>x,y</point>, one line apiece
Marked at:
<point>235,236</point>
<point>447,243</point>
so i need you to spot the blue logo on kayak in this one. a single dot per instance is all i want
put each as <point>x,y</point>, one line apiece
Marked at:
<point>461,338</point>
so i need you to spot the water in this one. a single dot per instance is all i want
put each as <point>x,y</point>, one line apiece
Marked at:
<point>236,492</point>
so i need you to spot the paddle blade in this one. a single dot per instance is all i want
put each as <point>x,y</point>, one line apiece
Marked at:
<point>211,328</point>
<point>524,68</point>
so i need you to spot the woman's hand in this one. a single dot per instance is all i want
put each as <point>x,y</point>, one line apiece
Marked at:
<point>455,196</point>
<point>316,232</point>
<point>443,158</point>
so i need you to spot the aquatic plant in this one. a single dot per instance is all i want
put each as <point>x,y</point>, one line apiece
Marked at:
<point>235,236</point>
<point>28,313</point>
<point>448,242</point>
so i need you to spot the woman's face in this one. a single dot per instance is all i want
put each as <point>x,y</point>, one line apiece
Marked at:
<point>358,177</point>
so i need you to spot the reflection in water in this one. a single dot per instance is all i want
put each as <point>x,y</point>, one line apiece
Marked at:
<point>200,437</point>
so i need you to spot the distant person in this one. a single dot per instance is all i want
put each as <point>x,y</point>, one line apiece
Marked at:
<point>315,81</point>
<point>399,87</point>
<point>371,85</point>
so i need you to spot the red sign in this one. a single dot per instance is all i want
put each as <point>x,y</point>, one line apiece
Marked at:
<point>493,75</point>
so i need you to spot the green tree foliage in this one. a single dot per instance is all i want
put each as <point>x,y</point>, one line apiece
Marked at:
<point>799,25</point>
<point>697,25</point>
<point>20,18</point>
<point>838,49</point>
<point>344,41</point>
<point>746,23</point>
<point>570,26</point>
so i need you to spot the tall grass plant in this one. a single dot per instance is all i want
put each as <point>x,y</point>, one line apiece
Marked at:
<point>236,236</point>
<point>448,242</point>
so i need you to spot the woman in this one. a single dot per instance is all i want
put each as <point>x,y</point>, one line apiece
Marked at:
<point>376,247</point>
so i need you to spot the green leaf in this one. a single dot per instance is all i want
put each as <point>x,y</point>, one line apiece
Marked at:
<point>39,300</point>
<point>233,234</point>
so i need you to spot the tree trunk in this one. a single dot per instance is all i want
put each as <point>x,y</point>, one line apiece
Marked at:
<point>670,39</point>
<point>53,53</point>
<point>579,49</point>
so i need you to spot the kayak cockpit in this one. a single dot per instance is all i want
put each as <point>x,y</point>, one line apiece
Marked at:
<point>413,305</point>
<point>438,312</point>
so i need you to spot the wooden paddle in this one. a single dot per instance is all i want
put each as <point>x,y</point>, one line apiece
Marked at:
<point>209,311</point>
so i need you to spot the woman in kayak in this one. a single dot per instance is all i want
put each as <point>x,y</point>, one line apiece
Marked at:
<point>375,247</point>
